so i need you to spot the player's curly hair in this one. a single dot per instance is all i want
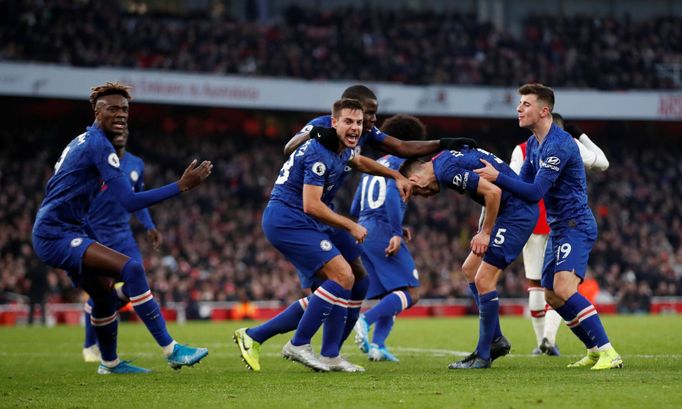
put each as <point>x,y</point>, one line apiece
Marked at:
<point>404,127</point>
<point>110,88</point>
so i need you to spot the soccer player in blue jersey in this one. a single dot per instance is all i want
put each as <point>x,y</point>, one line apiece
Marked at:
<point>553,170</point>
<point>249,340</point>
<point>392,274</point>
<point>87,163</point>
<point>508,222</point>
<point>298,221</point>
<point>109,222</point>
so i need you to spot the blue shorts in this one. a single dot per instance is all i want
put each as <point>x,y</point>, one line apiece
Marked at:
<point>65,252</point>
<point>386,273</point>
<point>568,249</point>
<point>122,241</point>
<point>513,227</point>
<point>305,242</point>
<point>347,245</point>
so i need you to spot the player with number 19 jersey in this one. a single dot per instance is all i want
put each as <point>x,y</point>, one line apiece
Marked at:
<point>573,227</point>
<point>516,218</point>
<point>379,208</point>
<point>307,243</point>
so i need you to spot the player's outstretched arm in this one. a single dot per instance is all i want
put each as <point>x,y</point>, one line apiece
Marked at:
<point>367,165</point>
<point>411,149</point>
<point>592,155</point>
<point>315,207</point>
<point>531,192</point>
<point>192,177</point>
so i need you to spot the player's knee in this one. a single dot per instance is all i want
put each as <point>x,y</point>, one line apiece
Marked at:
<point>358,269</point>
<point>134,278</point>
<point>484,283</point>
<point>414,294</point>
<point>469,272</point>
<point>552,299</point>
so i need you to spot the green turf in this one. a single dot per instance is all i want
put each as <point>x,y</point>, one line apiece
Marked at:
<point>42,367</point>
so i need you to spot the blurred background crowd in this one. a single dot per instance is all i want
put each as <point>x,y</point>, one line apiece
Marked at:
<point>411,46</point>
<point>214,249</point>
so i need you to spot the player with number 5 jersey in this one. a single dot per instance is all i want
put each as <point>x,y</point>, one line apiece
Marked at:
<point>507,224</point>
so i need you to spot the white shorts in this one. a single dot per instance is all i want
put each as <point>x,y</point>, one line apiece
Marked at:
<point>534,255</point>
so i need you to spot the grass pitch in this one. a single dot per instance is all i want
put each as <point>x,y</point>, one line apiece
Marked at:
<point>43,367</point>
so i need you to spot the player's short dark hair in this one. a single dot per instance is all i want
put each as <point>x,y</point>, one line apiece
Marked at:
<point>404,127</point>
<point>558,119</point>
<point>410,166</point>
<point>110,88</point>
<point>359,92</point>
<point>543,92</point>
<point>346,103</point>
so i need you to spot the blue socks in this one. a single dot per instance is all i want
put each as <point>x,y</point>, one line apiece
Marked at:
<point>332,332</point>
<point>474,293</point>
<point>319,307</point>
<point>137,289</point>
<point>282,323</point>
<point>90,336</point>
<point>392,304</point>
<point>357,296</point>
<point>382,329</point>
<point>489,313</point>
<point>583,320</point>
<point>104,320</point>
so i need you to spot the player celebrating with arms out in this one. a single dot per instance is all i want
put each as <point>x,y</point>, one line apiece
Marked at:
<point>507,223</point>
<point>59,238</point>
<point>554,171</point>
<point>298,221</point>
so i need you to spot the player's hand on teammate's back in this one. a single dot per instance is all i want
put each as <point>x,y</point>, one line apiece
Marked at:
<point>479,243</point>
<point>194,175</point>
<point>155,238</point>
<point>393,245</point>
<point>574,130</point>
<point>404,187</point>
<point>488,172</point>
<point>358,232</point>
<point>457,143</point>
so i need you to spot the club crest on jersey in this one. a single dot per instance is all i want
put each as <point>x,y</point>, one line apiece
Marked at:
<point>113,160</point>
<point>134,176</point>
<point>326,245</point>
<point>551,163</point>
<point>319,168</point>
<point>76,242</point>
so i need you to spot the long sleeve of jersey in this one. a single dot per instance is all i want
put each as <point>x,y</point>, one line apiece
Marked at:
<point>135,201</point>
<point>592,155</point>
<point>531,192</point>
<point>143,215</point>
<point>394,209</point>
<point>355,205</point>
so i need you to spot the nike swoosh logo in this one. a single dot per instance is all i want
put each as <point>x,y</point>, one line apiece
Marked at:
<point>559,262</point>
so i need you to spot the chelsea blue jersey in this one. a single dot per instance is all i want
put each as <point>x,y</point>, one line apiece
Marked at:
<point>311,164</point>
<point>455,170</point>
<point>107,216</point>
<point>88,161</point>
<point>377,199</point>
<point>557,159</point>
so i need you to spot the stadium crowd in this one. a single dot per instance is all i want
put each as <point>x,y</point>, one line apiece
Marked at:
<point>404,46</point>
<point>214,249</point>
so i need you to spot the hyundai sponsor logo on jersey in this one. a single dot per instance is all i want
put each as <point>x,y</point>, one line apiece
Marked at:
<point>551,162</point>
